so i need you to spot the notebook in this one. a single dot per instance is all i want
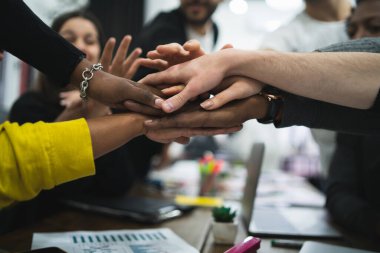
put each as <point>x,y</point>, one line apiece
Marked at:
<point>270,221</point>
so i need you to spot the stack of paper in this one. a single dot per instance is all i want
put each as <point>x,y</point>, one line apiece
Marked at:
<point>127,241</point>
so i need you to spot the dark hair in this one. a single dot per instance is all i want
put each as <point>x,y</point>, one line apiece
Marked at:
<point>62,19</point>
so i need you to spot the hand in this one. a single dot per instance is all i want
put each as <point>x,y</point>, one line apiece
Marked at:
<point>232,88</point>
<point>75,107</point>
<point>181,135</point>
<point>121,65</point>
<point>198,75</point>
<point>114,91</point>
<point>171,54</point>
<point>232,114</point>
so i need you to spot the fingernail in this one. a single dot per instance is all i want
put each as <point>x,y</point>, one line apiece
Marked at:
<point>148,122</point>
<point>158,102</point>
<point>207,104</point>
<point>167,106</point>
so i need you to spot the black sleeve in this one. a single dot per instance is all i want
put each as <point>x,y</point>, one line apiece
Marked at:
<point>24,35</point>
<point>343,198</point>
<point>32,107</point>
<point>303,111</point>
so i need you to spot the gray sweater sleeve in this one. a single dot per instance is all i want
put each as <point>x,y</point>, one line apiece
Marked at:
<point>299,110</point>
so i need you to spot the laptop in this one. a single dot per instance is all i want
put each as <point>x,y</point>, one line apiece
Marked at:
<point>317,247</point>
<point>285,222</point>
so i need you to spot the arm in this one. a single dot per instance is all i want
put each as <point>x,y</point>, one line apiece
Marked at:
<point>57,58</point>
<point>343,189</point>
<point>64,151</point>
<point>305,74</point>
<point>311,113</point>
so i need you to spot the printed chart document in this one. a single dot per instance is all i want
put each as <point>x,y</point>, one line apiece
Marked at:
<point>161,240</point>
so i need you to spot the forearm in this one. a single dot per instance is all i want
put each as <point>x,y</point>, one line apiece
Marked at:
<point>349,79</point>
<point>303,111</point>
<point>59,152</point>
<point>111,132</point>
<point>46,50</point>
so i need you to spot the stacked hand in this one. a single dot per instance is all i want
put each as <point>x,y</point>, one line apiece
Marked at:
<point>198,73</point>
<point>188,72</point>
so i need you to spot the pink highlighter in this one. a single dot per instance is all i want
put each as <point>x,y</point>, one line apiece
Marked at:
<point>249,245</point>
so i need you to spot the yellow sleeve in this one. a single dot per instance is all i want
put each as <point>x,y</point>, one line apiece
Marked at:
<point>40,156</point>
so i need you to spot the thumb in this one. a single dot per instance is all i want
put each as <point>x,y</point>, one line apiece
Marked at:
<point>177,101</point>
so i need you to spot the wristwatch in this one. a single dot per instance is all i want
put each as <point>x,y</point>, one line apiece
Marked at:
<point>275,103</point>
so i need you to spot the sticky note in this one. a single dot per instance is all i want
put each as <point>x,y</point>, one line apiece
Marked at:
<point>198,201</point>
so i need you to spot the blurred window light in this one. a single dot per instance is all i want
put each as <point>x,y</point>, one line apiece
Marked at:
<point>238,7</point>
<point>285,5</point>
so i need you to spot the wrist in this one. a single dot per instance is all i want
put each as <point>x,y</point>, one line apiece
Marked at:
<point>273,109</point>
<point>258,107</point>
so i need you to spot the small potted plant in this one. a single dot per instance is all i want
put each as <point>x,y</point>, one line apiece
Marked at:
<point>224,227</point>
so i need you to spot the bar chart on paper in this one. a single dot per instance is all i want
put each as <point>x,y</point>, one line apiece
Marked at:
<point>112,241</point>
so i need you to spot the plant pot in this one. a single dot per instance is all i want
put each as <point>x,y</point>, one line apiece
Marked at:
<point>224,232</point>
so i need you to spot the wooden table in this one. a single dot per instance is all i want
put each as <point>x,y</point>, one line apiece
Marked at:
<point>193,227</point>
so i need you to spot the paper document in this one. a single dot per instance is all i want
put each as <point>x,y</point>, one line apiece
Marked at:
<point>114,241</point>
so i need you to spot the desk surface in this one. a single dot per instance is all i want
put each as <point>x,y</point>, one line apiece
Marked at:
<point>193,228</point>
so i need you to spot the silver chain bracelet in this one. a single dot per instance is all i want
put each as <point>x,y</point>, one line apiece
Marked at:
<point>87,75</point>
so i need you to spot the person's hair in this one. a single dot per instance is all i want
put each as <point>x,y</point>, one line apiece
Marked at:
<point>43,84</point>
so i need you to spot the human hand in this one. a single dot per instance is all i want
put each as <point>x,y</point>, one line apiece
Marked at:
<point>114,91</point>
<point>232,114</point>
<point>75,107</point>
<point>171,54</point>
<point>182,135</point>
<point>120,65</point>
<point>198,75</point>
<point>232,88</point>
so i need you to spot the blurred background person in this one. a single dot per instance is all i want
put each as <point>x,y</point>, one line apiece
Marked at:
<point>192,19</point>
<point>320,24</point>
<point>353,181</point>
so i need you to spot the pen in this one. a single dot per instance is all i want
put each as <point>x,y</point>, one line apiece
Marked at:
<point>291,244</point>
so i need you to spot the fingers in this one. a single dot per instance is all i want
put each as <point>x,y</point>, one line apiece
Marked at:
<point>171,49</point>
<point>227,46</point>
<point>106,57</point>
<point>176,134</point>
<point>145,97</point>
<point>154,64</point>
<point>158,78</point>
<point>121,52</point>
<point>191,90</point>
<point>192,45</point>
<point>173,90</point>
<point>239,89</point>
<point>143,109</point>
<point>130,65</point>
<point>177,101</point>
<point>182,140</point>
